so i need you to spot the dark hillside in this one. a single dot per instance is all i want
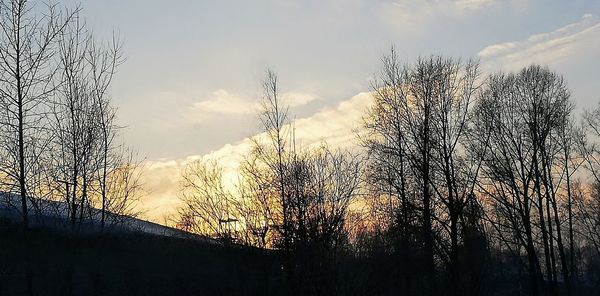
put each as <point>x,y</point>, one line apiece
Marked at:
<point>53,263</point>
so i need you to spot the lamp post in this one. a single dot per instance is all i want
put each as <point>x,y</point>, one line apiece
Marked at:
<point>69,209</point>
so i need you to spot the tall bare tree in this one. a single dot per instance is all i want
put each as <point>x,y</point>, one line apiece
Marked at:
<point>103,61</point>
<point>528,114</point>
<point>26,67</point>
<point>84,119</point>
<point>273,154</point>
<point>415,133</point>
<point>73,110</point>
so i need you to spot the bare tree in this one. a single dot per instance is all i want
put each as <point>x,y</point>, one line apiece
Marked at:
<point>333,185</point>
<point>569,138</point>
<point>588,143</point>
<point>73,124</point>
<point>274,119</point>
<point>256,201</point>
<point>524,171</point>
<point>84,121</point>
<point>27,70</point>
<point>415,133</point>
<point>507,177</point>
<point>124,187</point>
<point>206,201</point>
<point>103,62</point>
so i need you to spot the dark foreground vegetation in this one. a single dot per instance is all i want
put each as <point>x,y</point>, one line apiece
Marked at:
<point>47,262</point>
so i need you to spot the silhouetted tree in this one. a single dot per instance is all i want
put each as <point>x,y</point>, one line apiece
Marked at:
<point>415,130</point>
<point>27,72</point>
<point>526,113</point>
<point>103,61</point>
<point>206,201</point>
<point>85,153</point>
<point>75,132</point>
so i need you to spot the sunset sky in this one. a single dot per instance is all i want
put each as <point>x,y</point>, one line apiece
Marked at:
<point>191,82</point>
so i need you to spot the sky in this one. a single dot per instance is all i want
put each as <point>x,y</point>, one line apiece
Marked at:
<point>192,80</point>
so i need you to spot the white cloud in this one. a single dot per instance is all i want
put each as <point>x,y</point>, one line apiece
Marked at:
<point>295,99</point>
<point>409,15</point>
<point>224,102</point>
<point>473,4</point>
<point>336,124</point>
<point>568,42</point>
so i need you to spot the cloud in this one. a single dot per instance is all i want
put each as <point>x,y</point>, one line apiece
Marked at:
<point>473,5</point>
<point>223,102</point>
<point>337,124</point>
<point>295,99</point>
<point>568,42</point>
<point>408,15</point>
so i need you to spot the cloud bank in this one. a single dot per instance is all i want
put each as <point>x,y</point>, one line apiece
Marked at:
<point>410,16</point>
<point>565,43</point>
<point>336,124</point>
<point>339,124</point>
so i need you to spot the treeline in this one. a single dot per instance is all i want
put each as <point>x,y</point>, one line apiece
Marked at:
<point>461,183</point>
<point>57,121</point>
